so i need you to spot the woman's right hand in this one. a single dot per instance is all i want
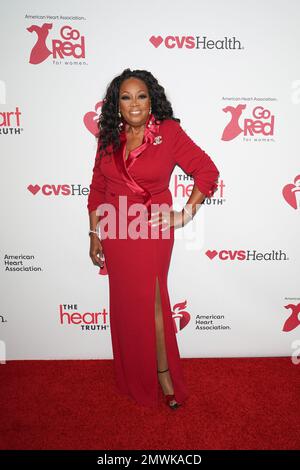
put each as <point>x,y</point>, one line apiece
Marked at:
<point>96,251</point>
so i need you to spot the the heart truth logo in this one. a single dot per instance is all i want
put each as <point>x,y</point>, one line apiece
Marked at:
<point>10,121</point>
<point>60,48</point>
<point>261,122</point>
<point>195,42</point>
<point>69,314</point>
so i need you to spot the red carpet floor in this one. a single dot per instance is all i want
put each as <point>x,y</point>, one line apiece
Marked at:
<point>244,403</point>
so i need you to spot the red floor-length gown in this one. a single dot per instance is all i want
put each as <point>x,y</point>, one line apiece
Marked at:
<point>134,264</point>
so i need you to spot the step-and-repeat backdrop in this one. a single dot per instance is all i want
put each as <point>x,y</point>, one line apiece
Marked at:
<point>232,74</point>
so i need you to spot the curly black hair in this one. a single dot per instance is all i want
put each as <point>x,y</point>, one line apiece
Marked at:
<point>109,120</point>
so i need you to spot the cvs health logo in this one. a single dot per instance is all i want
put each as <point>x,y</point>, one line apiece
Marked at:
<point>291,193</point>
<point>58,189</point>
<point>246,255</point>
<point>69,43</point>
<point>196,42</point>
<point>180,316</point>
<point>259,122</point>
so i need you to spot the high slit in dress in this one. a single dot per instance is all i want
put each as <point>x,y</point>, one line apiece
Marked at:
<point>134,264</point>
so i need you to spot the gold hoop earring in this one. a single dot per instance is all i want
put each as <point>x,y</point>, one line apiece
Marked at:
<point>120,125</point>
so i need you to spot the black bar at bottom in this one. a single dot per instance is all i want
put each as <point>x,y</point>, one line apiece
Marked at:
<point>134,458</point>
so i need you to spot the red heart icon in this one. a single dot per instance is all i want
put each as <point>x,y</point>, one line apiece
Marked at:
<point>34,189</point>
<point>182,318</point>
<point>211,254</point>
<point>90,122</point>
<point>289,192</point>
<point>156,40</point>
<point>90,119</point>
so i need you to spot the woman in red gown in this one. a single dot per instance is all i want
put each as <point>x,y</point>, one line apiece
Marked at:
<point>139,144</point>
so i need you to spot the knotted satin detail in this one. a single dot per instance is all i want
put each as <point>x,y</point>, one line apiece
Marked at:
<point>124,165</point>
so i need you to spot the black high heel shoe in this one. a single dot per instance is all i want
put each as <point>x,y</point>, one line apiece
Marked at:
<point>169,397</point>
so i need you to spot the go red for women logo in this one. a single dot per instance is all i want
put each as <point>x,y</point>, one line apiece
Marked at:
<point>70,43</point>
<point>294,317</point>
<point>259,124</point>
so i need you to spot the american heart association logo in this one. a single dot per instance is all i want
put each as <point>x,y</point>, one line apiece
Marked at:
<point>290,191</point>
<point>180,316</point>
<point>90,119</point>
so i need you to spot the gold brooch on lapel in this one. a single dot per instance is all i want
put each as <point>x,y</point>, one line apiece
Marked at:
<point>157,140</point>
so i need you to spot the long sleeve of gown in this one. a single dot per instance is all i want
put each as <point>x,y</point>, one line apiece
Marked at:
<point>97,186</point>
<point>194,161</point>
